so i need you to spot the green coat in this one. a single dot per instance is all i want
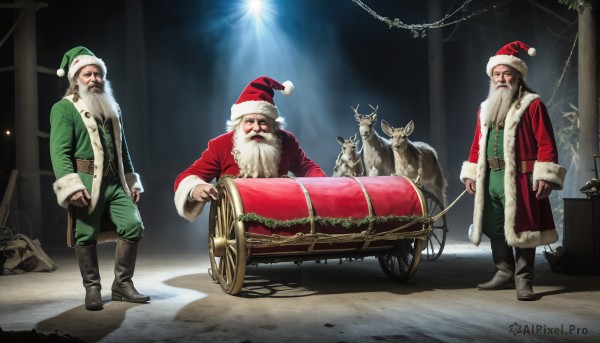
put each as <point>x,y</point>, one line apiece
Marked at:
<point>74,134</point>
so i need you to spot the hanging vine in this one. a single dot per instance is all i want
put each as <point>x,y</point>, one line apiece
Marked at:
<point>419,29</point>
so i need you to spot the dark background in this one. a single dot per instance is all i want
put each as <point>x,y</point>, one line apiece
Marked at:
<point>179,70</point>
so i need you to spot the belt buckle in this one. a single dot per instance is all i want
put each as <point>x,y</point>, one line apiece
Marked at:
<point>494,163</point>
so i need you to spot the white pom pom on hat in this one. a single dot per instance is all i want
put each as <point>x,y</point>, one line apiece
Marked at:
<point>288,88</point>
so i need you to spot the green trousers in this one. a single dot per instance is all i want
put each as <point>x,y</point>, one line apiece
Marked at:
<point>493,208</point>
<point>112,202</point>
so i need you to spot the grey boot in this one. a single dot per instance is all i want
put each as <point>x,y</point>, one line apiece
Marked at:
<point>524,273</point>
<point>122,287</point>
<point>502,254</point>
<point>88,266</point>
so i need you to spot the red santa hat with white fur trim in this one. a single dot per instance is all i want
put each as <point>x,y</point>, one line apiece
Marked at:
<point>509,55</point>
<point>257,97</point>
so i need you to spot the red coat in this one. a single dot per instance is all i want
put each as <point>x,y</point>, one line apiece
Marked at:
<point>528,136</point>
<point>217,161</point>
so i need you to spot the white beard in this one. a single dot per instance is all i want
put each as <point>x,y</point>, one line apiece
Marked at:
<point>499,101</point>
<point>256,159</point>
<point>102,105</point>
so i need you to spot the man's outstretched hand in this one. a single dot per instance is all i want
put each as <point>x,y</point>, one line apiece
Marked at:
<point>204,193</point>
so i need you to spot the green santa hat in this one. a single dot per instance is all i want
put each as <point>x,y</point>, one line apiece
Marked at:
<point>78,58</point>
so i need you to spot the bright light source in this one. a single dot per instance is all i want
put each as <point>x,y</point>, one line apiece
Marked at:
<point>254,6</point>
<point>259,14</point>
<point>8,132</point>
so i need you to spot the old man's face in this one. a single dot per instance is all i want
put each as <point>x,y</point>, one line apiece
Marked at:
<point>503,75</point>
<point>91,76</point>
<point>256,123</point>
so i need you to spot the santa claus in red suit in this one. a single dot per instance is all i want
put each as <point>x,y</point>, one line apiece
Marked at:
<point>256,146</point>
<point>511,170</point>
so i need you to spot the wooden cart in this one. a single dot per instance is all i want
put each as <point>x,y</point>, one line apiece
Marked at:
<point>297,219</point>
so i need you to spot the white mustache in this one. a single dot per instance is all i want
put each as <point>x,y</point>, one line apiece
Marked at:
<point>502,85</point>
<point>251,134</point>
<point>92,84</point>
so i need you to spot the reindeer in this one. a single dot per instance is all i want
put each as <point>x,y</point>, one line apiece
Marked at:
<point>376,152</point>
<point>416,160</point>
<point>348,162</point>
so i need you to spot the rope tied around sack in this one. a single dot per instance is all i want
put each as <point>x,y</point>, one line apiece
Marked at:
<point>347,223</point>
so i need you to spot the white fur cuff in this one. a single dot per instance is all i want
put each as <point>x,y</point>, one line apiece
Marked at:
<point>66,186</point>
<point>468,171</point>
<point>187,209</point>
<point>549,172</point>
<point>133,181</point>
<point>474,235</point>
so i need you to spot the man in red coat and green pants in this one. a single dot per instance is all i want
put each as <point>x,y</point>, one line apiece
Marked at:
<point>255,146</point>
<point>511,170</point>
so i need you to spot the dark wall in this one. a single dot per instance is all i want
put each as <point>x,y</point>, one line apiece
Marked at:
<point>339,56</point>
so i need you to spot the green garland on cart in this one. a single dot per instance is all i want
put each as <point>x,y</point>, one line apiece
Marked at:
<point>346,223</point>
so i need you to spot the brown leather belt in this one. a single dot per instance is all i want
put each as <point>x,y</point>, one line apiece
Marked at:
<point>86,166</point>
<point>523,167</point>
<point>496,163</point>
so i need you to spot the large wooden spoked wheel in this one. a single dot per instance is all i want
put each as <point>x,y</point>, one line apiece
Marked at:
<point>227,240</point>
<point>401,263</point>
<point>436,239</point>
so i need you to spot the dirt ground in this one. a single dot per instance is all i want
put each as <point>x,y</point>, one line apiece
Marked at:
<point>310,302</point>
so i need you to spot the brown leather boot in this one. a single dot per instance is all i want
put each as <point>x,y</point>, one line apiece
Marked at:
<point>122,287</point>
<point>87,258</point>
<point>502,254</point>
<point>524,273</point>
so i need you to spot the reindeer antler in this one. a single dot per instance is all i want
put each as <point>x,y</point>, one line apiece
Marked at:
<point>355,110</point>
<point>374,109</point>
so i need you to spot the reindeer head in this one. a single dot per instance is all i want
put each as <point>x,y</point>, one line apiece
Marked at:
<point>366,122</point>
<point>399,135</point>
<point>349,146</point>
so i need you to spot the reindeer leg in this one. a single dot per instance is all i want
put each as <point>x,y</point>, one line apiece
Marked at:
<point>418,180</point>
<point>419,172</point>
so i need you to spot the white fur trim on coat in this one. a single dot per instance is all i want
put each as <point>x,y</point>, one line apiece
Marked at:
<point>549,172</point>
<point>92,128</point>
<point>65,186</point>
<point>468,171</point>
<point>133,181</point>
<point>531,239</point>
<point>185,208</point>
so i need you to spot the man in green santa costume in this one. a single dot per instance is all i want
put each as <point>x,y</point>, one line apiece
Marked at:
<point>94,174</point>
